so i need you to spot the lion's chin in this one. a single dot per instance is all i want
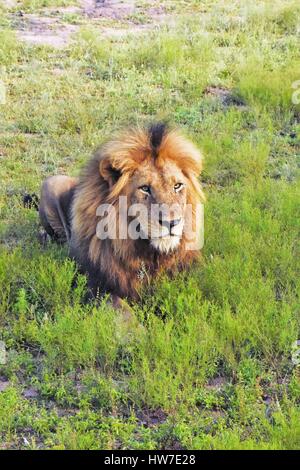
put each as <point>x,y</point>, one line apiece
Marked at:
<point>165,244</point>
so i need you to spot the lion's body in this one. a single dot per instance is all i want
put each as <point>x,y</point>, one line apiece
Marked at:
<point>121,266</point>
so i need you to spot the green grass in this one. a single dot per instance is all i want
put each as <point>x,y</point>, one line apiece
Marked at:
<point>212,368</point>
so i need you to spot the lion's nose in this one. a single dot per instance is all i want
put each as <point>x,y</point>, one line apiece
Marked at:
<point>169,224</point>
<point>174,222</point>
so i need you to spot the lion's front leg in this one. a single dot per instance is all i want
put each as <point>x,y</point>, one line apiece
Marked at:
<point>121,304</point>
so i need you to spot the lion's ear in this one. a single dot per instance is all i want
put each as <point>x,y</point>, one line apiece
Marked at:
<point>108,172</point>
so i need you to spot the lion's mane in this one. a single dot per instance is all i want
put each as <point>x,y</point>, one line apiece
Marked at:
<point>115,266</point>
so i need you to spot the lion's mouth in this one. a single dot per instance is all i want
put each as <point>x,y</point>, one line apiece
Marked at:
<point>163,237</point>
<point>165,244</point>
<point>160,236</point>
<point>166,236</point>
<point>162,241</point>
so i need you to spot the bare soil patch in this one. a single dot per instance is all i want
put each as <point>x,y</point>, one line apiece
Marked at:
<point>50,27</point>
<point>225,96</point>
<point>43,30</point>
<point>109,9</point>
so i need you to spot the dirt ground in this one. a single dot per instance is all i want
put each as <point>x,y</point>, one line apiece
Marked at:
<point>57,25</point>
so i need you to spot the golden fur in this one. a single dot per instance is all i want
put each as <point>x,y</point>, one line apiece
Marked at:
<point>158,156</point>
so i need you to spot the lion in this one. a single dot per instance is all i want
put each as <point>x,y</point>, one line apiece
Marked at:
<point>151,167</point>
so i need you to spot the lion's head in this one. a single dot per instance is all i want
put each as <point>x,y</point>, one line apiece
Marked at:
<point>157,171</point>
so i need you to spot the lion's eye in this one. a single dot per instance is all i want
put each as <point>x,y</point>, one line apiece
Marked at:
<point>178,187</point>
<point>146,189</point>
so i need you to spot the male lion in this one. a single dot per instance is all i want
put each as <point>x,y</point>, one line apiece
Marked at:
<point>155,168</point>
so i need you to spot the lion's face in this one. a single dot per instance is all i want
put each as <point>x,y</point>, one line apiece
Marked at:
<point>157,171</point>
<point>160,193</point>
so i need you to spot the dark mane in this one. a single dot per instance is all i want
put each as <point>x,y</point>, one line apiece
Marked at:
<point>156,134</point>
